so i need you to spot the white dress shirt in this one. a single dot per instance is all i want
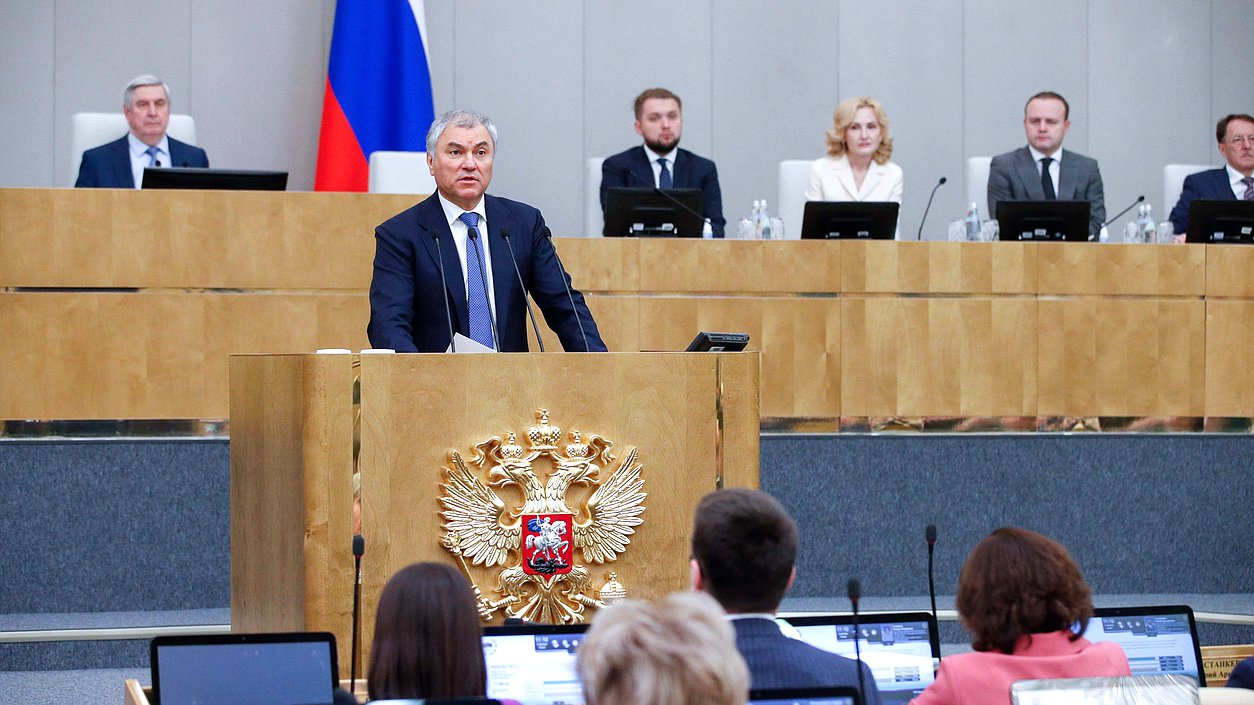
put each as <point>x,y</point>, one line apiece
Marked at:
<point>140,160</point>
<point>657,168</point>
<point>1234,179</point>
<point>453,213</point>
<point>1054,166</point>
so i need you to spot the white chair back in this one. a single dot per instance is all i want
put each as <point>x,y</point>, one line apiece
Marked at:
<point>794,177</point>
<point>88,130</point>
<point>593,218</point>
<point>977,184</point>
<point>1173,183</point>
<point>400,172</point>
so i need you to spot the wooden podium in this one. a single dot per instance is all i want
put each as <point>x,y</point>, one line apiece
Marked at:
<point>302,424</point>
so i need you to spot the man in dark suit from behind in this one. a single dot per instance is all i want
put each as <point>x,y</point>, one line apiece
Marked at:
<point>1043,170</point>
<point>121,163</point>
<point>744,547</point>
<point>660,162</point>
<point>1235,134</point>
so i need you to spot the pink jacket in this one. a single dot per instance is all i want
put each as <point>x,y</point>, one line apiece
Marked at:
<point>984,678</point>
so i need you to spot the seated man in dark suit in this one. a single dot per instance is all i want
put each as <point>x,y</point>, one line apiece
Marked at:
<point>1235,134</point>
<point>121,163</point>
<point>1042,171</point>
<point>452,257</point>
<point>744,546</point>
<point>660,162</point>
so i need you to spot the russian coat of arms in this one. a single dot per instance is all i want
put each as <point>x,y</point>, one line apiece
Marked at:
<point>578,501</point>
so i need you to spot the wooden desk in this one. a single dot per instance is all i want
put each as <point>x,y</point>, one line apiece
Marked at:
<point>120,304</point>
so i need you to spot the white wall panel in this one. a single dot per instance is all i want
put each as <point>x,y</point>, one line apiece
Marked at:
<point>1232,52</point>
<point>27,113</point>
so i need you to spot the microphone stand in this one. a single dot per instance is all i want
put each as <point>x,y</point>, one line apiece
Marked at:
<point>929,206</point>
<point>548,235</point>
<point>530,313</point>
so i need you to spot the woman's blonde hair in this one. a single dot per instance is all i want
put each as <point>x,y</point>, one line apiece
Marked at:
<point>844,117</point>
<point>680,650</point>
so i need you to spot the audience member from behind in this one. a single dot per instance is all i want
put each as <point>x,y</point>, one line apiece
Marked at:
<point>744,546</point>
<point>678,650</point>
<point>1021,596</point>
<point>660,162</point>
<point>857,166</point>
<point>121,163</point>
<point>1242,675</point>
<point>1043,171</point>
<point>1234,181</point>
<point>427,637</point>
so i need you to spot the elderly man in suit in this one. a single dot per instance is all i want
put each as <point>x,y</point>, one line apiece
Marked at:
<point>1043,171</point>
<point>447,264</point>
<point>744,546</point>
<point>660,162</point>
<point>121,163</point>
<point>1235,181</point>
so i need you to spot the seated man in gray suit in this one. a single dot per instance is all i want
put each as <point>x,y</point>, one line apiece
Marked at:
<point>744,546</point>
<point>1042,171</point>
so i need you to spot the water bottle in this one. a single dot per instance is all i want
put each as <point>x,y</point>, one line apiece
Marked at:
<point>973,222</point>
<point>1146,224</point>
<point>757,220</point>
<point>766,222</point>
<point>707,230</point>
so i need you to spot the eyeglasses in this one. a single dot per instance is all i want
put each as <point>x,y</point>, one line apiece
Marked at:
<point>1241,139</point>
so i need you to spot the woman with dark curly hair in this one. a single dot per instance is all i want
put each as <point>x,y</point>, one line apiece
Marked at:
<point>1026,604</point>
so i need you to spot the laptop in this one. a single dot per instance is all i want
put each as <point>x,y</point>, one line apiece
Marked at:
<point>533,663</point>
<point>296,668</point>
<point>1160,640</point>
<point>805,696</point>
<point>900,648</point>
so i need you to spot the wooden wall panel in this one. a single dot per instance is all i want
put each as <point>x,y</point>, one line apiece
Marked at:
<point>1121,270</point>
<point>1229,370</point>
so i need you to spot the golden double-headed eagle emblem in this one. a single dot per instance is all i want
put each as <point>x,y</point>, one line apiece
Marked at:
<point>546,511</point>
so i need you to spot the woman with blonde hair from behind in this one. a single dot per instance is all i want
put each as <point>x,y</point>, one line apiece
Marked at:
<point>679,651</point>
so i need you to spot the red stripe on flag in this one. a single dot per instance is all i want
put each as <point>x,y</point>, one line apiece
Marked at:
<point>341,164</point>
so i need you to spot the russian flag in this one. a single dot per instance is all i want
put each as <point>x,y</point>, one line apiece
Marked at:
<point>378,93</point>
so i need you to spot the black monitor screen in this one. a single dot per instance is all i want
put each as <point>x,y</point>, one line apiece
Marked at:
<point>833,220</point>
<point>1221,222</point>
<point>215,179</point>
<point>647,212</point>
<point>1043,220</point>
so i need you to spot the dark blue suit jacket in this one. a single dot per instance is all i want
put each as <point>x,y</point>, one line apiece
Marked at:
<point>691,171</point>
<point>776,661</point>
<point>109,165</point>
<point>1210,185</point>
<point>407,299</point>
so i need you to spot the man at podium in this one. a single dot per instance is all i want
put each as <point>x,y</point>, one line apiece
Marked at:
<point>447,265</point>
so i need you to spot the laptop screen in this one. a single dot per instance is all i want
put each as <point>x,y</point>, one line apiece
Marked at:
<point>1157,640</point>
<point>533,664</point>
<point>263,669</point>
<point>804,696</point>
<point>900,648</point>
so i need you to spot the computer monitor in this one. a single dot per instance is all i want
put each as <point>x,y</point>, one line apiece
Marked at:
<point>805,696</point>
<point>841,220</point>
<point>900,648</point>
<point>1221,222</point>
<point>647,212</point>
<point>708,341</point>
<point>533,663</point>
<point>1157,640</point>
<point>215,179</point>
<point>1043,220</point>
<point>264,669</point>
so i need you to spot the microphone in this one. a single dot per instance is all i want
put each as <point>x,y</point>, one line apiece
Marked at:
<point>448,313</point>
<point>473,234</point>
<point>855,594</point>
<point>548,234</point>
<point>532,314</point>
<point>359,548</point>
<point>1125,210</point>
<point>929,206</point>
<point>931,576</point>
<point>628,173</point>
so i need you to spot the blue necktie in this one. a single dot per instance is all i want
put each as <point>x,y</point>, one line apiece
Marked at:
<point>476,285</point>
<point>664,179</point>
<point>152,153</point>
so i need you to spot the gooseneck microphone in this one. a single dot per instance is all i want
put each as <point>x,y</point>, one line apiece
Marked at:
<point>448,313</point>
<point>548,235</point>
<point>530,313</point>
<point>855,594</point>
<point>931,576</point>
<point>473,234</point>
<point>359,549</point>
<point>929,206</point>
<point>1125,210</point>
<point>629,174</point>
